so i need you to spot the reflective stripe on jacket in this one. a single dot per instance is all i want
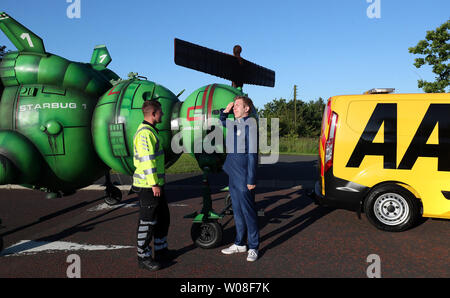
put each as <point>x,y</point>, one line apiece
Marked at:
<point>148,157</point>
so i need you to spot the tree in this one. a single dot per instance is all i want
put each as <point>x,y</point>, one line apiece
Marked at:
<point>276,109</point>
<point>309,116</point>
<point>436,49</point>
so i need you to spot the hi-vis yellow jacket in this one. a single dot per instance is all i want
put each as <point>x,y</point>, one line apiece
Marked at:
<point>148,157</point>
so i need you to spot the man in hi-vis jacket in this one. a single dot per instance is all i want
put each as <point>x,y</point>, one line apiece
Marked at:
<point>148,182</point>
<point>240,165</point>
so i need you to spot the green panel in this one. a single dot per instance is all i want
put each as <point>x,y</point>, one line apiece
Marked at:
<point>8,73</point>
<point>7,107</point>
<point>28,91</point>
<point>76,75</point>
<point>100,132</point>
<point>27,67</point>
<point>22,153</point>
<point>138,98</point>
<point>96,87</point>
<point>79,164</point>
<point>53,90</point>
<point>117,137</point>
<point>9,59</point>
<point>124,113</point>
<point>52,70</point>
<point>107,73</point>
<point>111,95</point>
<point>7,69</point>
<point>54,145</point>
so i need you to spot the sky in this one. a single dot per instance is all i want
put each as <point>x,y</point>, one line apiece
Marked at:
<point>325,47</point>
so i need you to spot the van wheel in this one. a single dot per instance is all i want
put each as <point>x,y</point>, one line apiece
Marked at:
<point>392,208</point>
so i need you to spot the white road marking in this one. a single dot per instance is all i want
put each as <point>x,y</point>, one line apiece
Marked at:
<point>30,247</point>
<point>104,206</point>
<point>178,205</point>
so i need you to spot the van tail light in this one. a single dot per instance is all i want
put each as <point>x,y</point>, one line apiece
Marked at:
<point>325,123</point>
<point>329,145</point>
<point>329,121</point>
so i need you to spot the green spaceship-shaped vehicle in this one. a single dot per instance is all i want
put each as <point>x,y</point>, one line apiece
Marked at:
<point>65,124</point>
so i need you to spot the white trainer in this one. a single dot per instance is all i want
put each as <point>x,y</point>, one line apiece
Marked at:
<point>234,249</point>
<point>252,255</point>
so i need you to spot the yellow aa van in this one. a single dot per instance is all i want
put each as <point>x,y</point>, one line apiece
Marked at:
<point>387,155</point>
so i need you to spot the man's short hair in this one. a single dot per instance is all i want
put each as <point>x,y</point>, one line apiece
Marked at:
<point>150,106</point>
<point>247,101</point>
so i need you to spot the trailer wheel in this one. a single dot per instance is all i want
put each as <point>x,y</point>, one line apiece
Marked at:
<point>392,208</point>
<point>206,234</point>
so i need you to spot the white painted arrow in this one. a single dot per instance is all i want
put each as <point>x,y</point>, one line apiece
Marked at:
<point>30,247</point>
<point>104,206</point>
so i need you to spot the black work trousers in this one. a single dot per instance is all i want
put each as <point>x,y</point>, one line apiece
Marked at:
<point>154,221</point>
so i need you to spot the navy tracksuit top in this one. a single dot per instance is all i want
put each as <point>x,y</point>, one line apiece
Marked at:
<point>242,159</point>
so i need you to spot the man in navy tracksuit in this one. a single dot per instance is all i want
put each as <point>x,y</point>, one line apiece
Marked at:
<point>240,165</point>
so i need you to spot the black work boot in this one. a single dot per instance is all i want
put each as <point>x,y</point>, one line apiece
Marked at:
<point>148,263</point>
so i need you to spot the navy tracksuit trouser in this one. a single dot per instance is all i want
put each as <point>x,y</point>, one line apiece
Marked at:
<point>244,211</point>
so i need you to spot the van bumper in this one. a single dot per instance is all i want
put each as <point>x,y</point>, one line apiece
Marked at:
<point>340,193</point>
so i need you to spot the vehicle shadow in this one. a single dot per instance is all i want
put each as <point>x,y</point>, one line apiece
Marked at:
<point>52,215</point>
<point>83,226</point>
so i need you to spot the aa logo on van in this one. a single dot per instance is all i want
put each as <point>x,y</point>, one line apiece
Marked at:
<point>387,113</point>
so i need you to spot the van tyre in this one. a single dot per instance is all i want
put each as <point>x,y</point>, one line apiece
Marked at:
<point>392,208</point>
